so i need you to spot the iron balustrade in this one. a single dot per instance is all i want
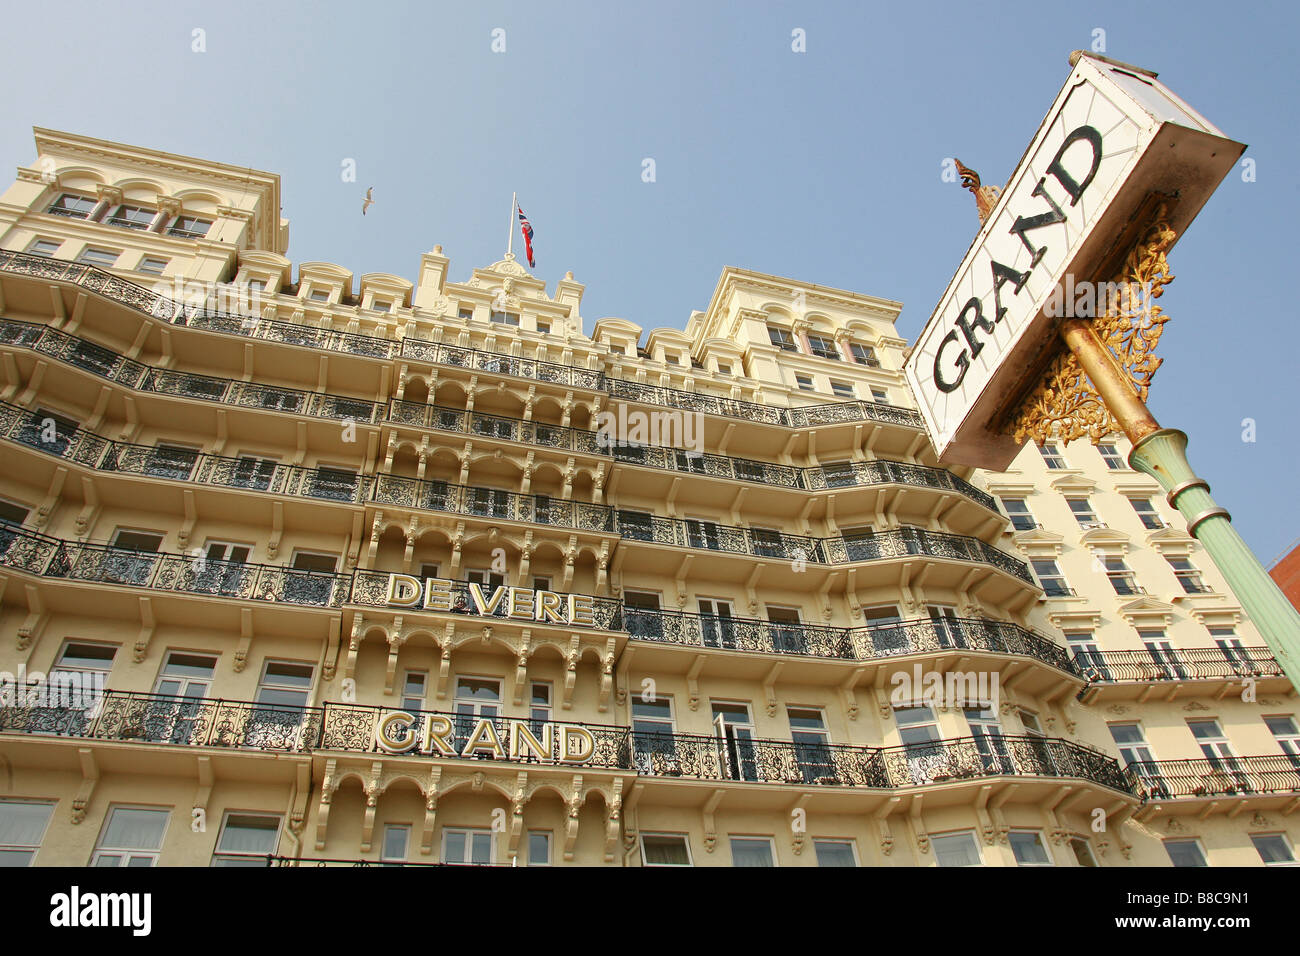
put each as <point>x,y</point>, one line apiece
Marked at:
<point>883,471</point>
<point>320,861</point>
<point>352,728</point>
<point>1215,777</point>
<point>46,556</point>
<point>944,761</point>
<point>370,589</point>
<point>1190,663</point>
<point>145,378</point>
<point>491,503</point>
<point>163,719</point>
<point>443,418</point>
<point>167,309</point>
<point>921,636</point>
<point>755,760</point>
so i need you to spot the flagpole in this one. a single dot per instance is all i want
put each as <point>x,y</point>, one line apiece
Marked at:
<point>510,236</point>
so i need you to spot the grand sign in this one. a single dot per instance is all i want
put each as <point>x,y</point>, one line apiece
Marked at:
<point>399,732</point>
<point>525,604</point>
<point>1114,137</point>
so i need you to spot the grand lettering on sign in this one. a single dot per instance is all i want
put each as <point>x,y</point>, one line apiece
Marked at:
<point>395,734</point>
<point>523,604</point>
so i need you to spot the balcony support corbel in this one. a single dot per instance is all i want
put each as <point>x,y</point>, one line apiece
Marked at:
<point>987,830</point>
<point>328,785</point>
<point>693,681</point>
<point>34,383</point>
<point>574,804</point>
<point>525,560</point>
<point>457,548</point>
<point>89,780</point>
<point>55,493</point>
<point>523,650</point>
<point>824,593</point>
<point>332,647</point>
<point>680,581</point>
<point>13,378</point>
<point>706,814</point>
<point>430,810</point>
<point>277,529</point>
<point>769,686</point>
<point>37,617</point>
<point>517,802</point>
<point>376,530</point>
<point>751,585</point>
<point>919,832</point>
<point>613,813</point>
<point>96,418</point>
<point>444,660</point>
<point>359,625</point>
<point>995,809</point>
<point>373,791</point>
<point>191,516</point>
<point>848,695</point>
<point>882,816</point>
<point>606,675</point>
<point>1051,804</point>
<point>621,674</point>
<point>203,792</point>
<point>240,658</point>
<point>301,794</point>
<point>147,625</point>
<point>395,641</point>
<point>798,823</point>
<point>571,659</point>
<point>56,305</point>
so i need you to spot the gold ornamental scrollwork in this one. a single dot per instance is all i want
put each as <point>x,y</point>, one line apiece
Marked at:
<point>1065,405</point>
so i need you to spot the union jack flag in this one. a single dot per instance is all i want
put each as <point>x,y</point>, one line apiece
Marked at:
<point>528,237</point>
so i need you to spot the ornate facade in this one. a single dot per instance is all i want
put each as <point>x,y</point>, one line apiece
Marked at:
<point>366,574</point>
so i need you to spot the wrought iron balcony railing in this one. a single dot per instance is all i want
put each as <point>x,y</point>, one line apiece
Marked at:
<point>859,643</point>
<point>943,761</point>
<point>370,589</point>
<point>1181,664</point>
<point>491,503</point>
<point>1217,777</point>
<point>160,719</point>
<point>163,307</point>
<point>46,556</point>
<point>313,861</point>
<point>146,378</point>
<point>493,426</point>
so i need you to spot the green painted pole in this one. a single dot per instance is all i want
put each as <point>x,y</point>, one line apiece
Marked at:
<point>1163,455</point>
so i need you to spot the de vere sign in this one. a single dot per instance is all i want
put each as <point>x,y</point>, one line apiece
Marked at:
<point>524,604</point>
<point>1114,137</point>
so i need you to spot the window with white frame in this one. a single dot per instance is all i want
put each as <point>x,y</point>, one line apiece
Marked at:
<point>1110,454</point>
<point>1082,849</point>
<point>504,318</point>
<point>1185,853</point>
<point>842,389</point>
<point>44,247</point>
<point>864,355</point>
<point>1120,576</point>
<point>1028,848</point>
<point>956,849</point>
<point>781,338</point>
<point>22,828</point>
<point>804,382</point>
<point>414,686</point>
<point>1081,508</point>
<point>752,851</point>
<point>397,840</point>
<point>822,347</point>
<point>1147,513</point>
<point>467,845</point>
<point>189,227</point>
<point>1017,509</point>
<point>104,258</point>
<point>880,396</point>
<point>1050,577</point>
<point>835,853</point>
<point>247,839</point>
<point>132,836</point>
<point>1274,849</point>
<point>1287,734</point>
<point>539,847</point>
<point>128,216</point>
<point>665,849</point>
<point>151,265</point>
<point>1188,575</point>
<point>1052,457</point>
<point>73,206</point>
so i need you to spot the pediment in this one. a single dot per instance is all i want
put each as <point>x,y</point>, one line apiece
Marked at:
<point>1171,539</point>
<point>1038,541</point>
<point>1103,536</point>
<point>1147,609</point>
<point>1074,482</point>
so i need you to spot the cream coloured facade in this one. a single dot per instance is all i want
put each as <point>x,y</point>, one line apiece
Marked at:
<point>364,579</point>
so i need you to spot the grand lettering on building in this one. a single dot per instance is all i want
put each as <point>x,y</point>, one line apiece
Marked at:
<point>396,733</point>
<point>523,604</point>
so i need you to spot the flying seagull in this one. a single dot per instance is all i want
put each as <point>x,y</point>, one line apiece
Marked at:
<point>369,200</point>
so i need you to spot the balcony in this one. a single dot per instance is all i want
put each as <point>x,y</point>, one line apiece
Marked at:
<point>502,364</point>
<point>1182,664</point>
<point>924,636</point>
<point>1190,780</point>
<point>182,721</point>
<point>140,377</point>
<point>491,503</point>
<point>45,556</point>
<point>946,761</point>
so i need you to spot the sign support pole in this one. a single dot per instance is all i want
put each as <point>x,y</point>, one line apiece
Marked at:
<point>1162,454</point>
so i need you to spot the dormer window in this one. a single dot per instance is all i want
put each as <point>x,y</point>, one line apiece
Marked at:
<point>256,285</point>
<point>724,368</point>
<point>617,349</point>
<point>544,327</point>
<point>72,206</point>
<point>131,217</point>
<point>505,318</point>
<point>189,227</point>
<point>672,359</point>
<point>378,305</point>
<point>465,313</point>
<point>320,295</point>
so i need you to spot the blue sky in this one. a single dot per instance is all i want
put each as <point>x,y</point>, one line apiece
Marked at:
<point>823,165</point>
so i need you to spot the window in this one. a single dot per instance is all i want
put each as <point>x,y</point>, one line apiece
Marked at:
<point>227,551</point>
<point>149,541</point>
<point>1287,734</point>
<point>476,698</point>
<point>541,583</point>
<point>314,561</point>
<point>256,285</point>
<point>1273,848</point>
<point>505,318</point>
<point>1029,720</point>
<point>842,389</point>
<point>171,461</point>
<point>72,206</point>
<point>285,684</point>
<point>1052,457</point>
<point>1022,519</point>
<point>378,305</point>
<point>539,704</point>
<point>463,845</point>
<point>1209,735</point>
<point>397,837</point>
<point>955,849</point>
<point>665,849</point>
<point>1081,508</point>
<point>804,382</point>
<point>1121,578</point>
<point>413,690</point>
<point>44,247</point>
<point>489,581</point>
<point>465,313</point>
<point>1051,578</point>
<point>152,265</point>
<point>131,217</point>
<point>189,227</point>
<point>1189,577</point>
<point>247,839</point>
<point>652,736</point>
<point>104,258</point>
<point>751,851</point>
<point>1087,653</point>
<point>1111,456</point>
<point>672,358</point>
<point>835,853</point>
<point>1185,853</point>
<point>544,327</point>
<point>724,368</point>
<point>252,471</point>
<point>812,745</point>
<point>132,837</point>
<point>82,657</point>
<point>1147,512</point>
<point>539,847</point>
<point>1083,854</point>
<point>22,828</point>
<point>617,349</point>
<point>880,396</point>
<point>11,513</point>
<point>864,355</point>
<point>822,347</point>
<point>336,484</point>
<point>1027,845</point>
<point>320,295</point>
<point>1162,652</point>
<point>1132,744</point>
<point>782,339</point>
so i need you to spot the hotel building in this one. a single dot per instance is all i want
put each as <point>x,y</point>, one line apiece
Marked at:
<point>302,568</point>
